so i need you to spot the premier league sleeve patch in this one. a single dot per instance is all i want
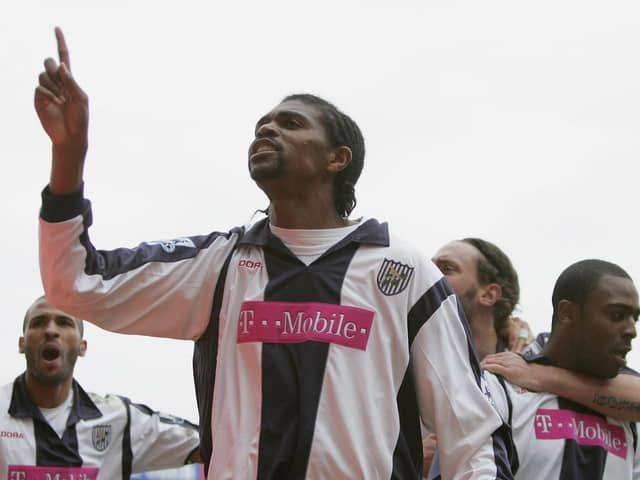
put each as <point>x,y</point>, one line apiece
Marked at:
<point>393,277</point>
<point>169,246</point>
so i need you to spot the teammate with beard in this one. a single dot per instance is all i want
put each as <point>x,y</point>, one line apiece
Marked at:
<point>51,428</point>
<point>486,284</point>
<point>483,278</point>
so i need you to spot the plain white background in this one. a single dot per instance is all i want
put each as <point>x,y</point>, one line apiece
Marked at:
<point>512,121</point>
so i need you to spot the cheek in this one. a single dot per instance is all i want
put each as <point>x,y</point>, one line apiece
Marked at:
<point>454,282</point>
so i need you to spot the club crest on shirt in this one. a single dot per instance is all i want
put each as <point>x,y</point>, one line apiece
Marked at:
<point>169,246</point>
<point>100,437</point>
<point>393,277</point>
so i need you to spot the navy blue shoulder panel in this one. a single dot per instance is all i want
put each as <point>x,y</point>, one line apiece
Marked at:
<point>110,263</point>
<point>426,306</point>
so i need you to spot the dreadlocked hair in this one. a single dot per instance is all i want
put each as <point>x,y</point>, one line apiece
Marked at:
<point>342,131</point>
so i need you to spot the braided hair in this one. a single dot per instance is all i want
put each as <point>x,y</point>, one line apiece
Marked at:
<point>342,131</point>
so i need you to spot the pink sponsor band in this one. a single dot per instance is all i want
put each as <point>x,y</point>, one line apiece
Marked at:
<point>27,472</point>
<point>583,428</point>
<point>288,322</point>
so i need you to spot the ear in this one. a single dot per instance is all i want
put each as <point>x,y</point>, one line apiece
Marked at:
<point>21,345</point>
<point>490,294</point>
<point>567,312</point>
<point>340,159</point>
<point>83,348</point>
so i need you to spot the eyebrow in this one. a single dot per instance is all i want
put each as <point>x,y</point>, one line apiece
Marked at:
<point>44,315</point>
<point>280,113</point>
<point>625,306</point>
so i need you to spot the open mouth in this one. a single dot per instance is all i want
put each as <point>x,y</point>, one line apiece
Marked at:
<point>50,353</point>
<point>261,146</point>
<point>264,148</point>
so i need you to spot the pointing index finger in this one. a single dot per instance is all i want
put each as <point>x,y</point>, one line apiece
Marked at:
<point>63,51</point>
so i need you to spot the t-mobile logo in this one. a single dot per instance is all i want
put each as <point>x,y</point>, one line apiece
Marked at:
<point>583,428</point>
<point>286,322</point>
<point>28,472</point>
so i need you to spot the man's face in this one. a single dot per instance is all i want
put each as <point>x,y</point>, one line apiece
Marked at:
<point>605,327</point>
<point>291,143</point>
<point>51,344</point>
<point>458,261</point>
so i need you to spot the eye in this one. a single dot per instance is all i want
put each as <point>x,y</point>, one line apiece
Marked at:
<point>292,122</point>
<point>65,321</point>
<point>619,315</point>
<point>37,322</point>
<point>446,268</point>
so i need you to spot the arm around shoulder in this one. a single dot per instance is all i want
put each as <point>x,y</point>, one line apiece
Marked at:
<point>618,397</point>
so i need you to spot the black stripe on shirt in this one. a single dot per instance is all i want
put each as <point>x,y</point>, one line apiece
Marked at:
<point>205,352</point>
<point>127,452</point>
<point>407,454</point>
<point>292,374</point>
<point>585,462</point>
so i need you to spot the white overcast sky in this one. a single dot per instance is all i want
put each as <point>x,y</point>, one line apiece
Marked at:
<point>513,121</point>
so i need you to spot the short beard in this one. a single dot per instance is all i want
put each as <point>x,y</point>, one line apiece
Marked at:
<point>57,378</point>
<point>261,173</point>
<point>466,299</point>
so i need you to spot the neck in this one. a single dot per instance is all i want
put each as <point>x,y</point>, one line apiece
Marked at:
<point>309,206</point>
<point>484,333</point>
<point>305,215</point>
<point>47,396</point>
<point>561,357</point>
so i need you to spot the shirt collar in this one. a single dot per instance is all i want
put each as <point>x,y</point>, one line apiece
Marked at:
<point>370,232</point>
<point>22,405</point>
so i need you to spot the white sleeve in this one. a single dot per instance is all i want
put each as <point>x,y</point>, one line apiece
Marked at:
<point>454,402</point>
<point>159,440</point>
<point>162,289</point>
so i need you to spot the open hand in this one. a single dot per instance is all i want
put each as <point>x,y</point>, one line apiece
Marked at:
<point>514,368</point>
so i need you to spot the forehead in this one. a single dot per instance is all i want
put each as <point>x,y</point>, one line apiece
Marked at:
<point>462,253</point>
<point>614,290</point>
<point>296,107</point>
<point>42,308</point>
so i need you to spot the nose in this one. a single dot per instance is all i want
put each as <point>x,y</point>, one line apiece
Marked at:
<point>51,329</point>
<point>267,129</point>
<point>630,328</point>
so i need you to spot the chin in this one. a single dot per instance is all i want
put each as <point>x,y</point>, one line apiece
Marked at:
<point>51,378</point>
<point>602,370</point>
<point>606,372</point>
<point>265,174</point>
<point>260,171</point>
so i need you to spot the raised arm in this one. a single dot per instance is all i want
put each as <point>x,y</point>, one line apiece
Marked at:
<point>618,397</point>
<point>63,110</point>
